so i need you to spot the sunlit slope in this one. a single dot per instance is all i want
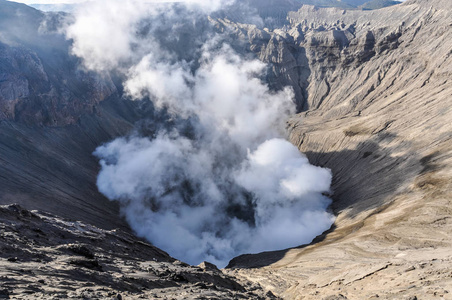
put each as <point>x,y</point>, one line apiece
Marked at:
<point>378,114</point>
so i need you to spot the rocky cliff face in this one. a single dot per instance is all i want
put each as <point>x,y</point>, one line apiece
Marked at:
<point>378,98</point>
<point>40,84</point>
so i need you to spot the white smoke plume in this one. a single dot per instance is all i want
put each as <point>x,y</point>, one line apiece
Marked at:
<point>223,183</point>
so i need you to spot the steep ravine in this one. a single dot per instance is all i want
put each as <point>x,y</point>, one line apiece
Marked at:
<point>379,109</point>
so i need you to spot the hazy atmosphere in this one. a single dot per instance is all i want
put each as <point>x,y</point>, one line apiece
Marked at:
<point>219,180</point>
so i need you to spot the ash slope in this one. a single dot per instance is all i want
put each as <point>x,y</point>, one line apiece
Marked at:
<point>378,95</point>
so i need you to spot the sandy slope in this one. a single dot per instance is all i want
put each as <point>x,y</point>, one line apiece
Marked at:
<point>383,125</point>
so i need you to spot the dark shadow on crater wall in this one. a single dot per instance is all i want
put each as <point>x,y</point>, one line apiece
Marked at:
<point>366,177</point>
<point>263,259</point>
<point>52,168</point>
<point>363,179</point>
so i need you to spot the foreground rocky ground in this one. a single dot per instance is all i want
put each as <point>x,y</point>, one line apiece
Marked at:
<point>45,257</point>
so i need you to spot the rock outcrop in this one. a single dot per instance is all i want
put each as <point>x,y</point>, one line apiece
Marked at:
<point>46,257</point>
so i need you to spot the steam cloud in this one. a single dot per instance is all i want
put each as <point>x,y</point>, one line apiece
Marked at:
<point>222,180</point>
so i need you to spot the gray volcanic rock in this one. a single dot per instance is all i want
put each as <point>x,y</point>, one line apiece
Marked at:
<point>313,45</point>
<point>40,84</point>
<point>273,13</point>
<point>46,257</point>
<point>33,95</point>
